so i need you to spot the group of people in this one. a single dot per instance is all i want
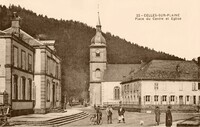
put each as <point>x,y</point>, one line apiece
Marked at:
<point>121,111</point>
<point>168,120</point>
<point>109,113</point>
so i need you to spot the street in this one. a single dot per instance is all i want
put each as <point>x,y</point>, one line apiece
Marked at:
<point>131,118</point>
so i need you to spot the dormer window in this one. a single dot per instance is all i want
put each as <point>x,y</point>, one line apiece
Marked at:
<point>97,53</point>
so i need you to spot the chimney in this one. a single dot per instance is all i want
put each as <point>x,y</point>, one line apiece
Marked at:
<point>15,24</point>
<point>198,61</point>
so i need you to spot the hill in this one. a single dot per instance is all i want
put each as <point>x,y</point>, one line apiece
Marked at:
<point>72,45</point>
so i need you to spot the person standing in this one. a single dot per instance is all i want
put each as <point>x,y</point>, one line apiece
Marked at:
<point>98,114</point>
<point>121,112</point>
<point>157,115</point>
<point>168,117</point>
<point>109,111</point>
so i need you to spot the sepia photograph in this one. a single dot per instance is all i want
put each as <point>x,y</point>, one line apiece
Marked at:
<point>107,63</point>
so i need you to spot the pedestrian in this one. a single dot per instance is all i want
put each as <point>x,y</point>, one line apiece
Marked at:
<point>109,111</point>
<point>121,112</point>
<point>157,115</point>
<point>168,117</point>
<point>98,114</point>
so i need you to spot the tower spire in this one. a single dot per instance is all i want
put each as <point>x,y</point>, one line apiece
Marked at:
<point>98,26</point>
<point>99,22</point>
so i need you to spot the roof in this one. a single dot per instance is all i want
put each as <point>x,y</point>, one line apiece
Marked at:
<point>116,72</point>
<point>2,32</point>
<point>48,42</point>
<point>165,70</point>
<point>26,37</point>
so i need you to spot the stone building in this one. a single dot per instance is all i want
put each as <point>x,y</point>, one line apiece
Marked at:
<point>17,73</point>
<point>47,77</point>
<point>162,83</point>
<point>35,70</point>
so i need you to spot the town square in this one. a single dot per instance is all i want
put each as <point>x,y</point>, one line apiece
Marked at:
<point>99,63</point>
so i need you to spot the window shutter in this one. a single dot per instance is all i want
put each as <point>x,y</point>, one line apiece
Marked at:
<point>191,100</point>
<point>151,99</point>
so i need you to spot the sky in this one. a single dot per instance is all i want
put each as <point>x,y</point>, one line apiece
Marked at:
<point>179,37</point>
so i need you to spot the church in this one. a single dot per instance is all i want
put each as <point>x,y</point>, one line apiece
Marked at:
<point>105,78</point>
<point>142,86</point>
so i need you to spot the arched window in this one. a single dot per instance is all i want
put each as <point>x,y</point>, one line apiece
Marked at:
<point>116,93</point>
<point>23,88</point>
<point>15,87</point>
<point>98,73</point>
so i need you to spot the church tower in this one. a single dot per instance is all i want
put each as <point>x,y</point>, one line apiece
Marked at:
<point>98,60</point>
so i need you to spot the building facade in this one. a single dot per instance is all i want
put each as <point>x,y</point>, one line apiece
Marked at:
<point>35,71</point>
<point>17,73</point>
<point>47,78</point>
<point>162,83</point>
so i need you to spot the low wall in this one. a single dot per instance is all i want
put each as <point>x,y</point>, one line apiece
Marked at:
<point>163,108</point>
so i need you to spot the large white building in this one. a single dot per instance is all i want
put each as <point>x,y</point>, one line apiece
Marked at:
<point>162,83</point>
<point>30,71</point>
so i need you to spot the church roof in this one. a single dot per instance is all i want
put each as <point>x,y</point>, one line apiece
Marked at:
<point>116,72</point>
<point>98,39</point>
<point>166,70</point>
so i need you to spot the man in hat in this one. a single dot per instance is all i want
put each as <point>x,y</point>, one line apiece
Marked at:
<point>109,111</point>
<point>157,115</point>
<point>121,112</point>
<point>168,122</point>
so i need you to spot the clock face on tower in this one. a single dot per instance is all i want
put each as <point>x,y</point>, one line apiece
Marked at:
<point>97,53</point>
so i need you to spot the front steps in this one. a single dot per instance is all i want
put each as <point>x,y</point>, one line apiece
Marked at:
<point>55,121</point>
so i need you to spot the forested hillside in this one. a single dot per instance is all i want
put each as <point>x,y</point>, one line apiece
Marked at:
<point>72,45</point>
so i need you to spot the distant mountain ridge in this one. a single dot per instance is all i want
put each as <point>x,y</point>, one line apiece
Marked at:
<point>72,45</point>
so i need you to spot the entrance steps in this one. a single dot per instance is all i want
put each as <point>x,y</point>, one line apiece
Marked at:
<point>52,122</point>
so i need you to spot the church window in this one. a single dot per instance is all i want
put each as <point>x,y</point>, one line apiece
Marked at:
<point>97,53</point>
<point>116,93</point>
<point>98,73</point>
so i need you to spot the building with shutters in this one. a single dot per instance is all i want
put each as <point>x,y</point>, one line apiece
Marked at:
<point>162,83</point>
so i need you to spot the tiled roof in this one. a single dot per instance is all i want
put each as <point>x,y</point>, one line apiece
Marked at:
<point>116,72</point>
<point>165,70</point>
